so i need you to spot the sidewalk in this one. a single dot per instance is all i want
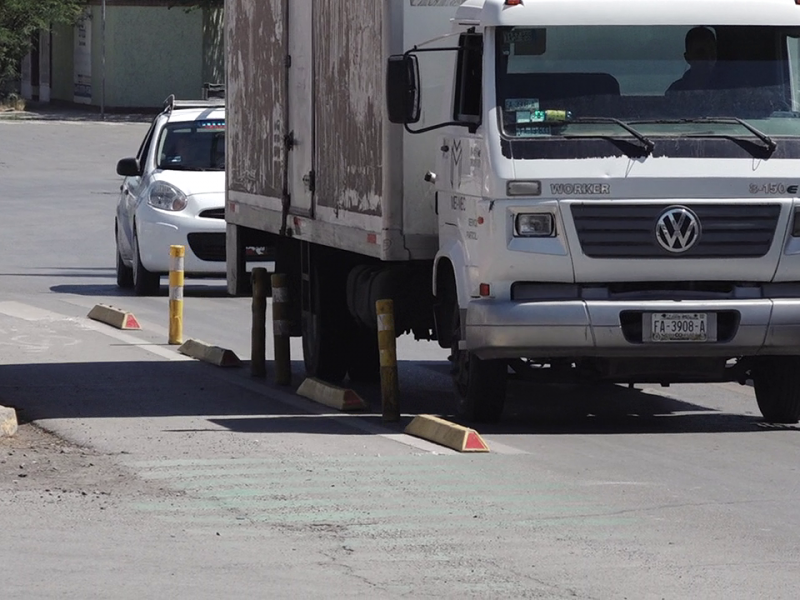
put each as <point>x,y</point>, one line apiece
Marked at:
<point>49,112</point>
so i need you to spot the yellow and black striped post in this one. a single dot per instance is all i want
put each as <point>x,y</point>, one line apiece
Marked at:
<point>258,337</point>
<point>281,329</point>
<point>387,345</point>
<point>176,256</point>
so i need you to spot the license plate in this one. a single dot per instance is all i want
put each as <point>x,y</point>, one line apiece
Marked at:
<point>678,327</point>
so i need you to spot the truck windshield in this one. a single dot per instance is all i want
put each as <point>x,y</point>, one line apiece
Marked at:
<point>663,80</point>
<point>192,146</point>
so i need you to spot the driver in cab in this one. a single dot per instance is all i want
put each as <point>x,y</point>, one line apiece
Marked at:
<point>701,56</point>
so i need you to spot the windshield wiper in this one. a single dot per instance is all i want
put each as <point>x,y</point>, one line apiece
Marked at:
<point>769,144</point>
<point>647,143</point>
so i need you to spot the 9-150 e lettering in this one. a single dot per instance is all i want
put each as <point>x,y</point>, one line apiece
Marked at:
<point>773,188</point>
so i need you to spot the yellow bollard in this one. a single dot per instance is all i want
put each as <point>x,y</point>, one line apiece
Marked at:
<point>176,255</point>
<point>281,329</point>
<point>258,335</point>
<point>387,345</point>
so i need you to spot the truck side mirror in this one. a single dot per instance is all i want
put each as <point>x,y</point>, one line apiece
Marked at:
<point>402,89</point>
<point>129,167</point>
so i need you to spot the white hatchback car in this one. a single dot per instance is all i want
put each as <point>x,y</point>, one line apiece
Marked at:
<point>173,194</point>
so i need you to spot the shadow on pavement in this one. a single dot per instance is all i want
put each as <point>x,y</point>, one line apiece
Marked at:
<point>190,290</point>
<point>193,388</point>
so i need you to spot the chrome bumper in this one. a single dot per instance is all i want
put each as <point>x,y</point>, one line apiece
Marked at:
<point>506,329</point>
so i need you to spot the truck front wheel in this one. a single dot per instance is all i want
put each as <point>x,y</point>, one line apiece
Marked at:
<point>480,385</point>
<point>777,385</point>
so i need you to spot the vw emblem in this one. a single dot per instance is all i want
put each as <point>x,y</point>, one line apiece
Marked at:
<point>677,229</point>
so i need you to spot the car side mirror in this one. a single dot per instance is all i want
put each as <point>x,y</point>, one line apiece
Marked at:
<point>403,89</point>
<point>129,167</point>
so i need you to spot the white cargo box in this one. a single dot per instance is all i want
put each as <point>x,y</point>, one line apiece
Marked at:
<point>310,151</point>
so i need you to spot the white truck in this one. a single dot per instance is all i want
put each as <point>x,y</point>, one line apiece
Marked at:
<point>566,190</point>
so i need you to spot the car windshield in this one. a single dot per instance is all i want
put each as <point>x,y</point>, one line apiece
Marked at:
<point>192,146</point>
<point>662,80</point>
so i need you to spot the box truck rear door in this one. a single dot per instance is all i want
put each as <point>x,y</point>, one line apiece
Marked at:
<point>301,106</point>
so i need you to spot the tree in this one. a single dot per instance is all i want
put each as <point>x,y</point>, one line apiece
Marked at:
<point>20,20</point>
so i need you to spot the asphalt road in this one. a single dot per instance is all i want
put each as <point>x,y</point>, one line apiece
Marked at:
<point>141,473</point>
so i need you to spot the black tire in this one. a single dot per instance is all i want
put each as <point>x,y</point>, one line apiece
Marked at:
<point>145,283</point>
<point>480,385</point>
<point>243,286</point>
<point>325,325</point>
<point>124,273</point>
<point>777,385</point>
<point>364,363</point>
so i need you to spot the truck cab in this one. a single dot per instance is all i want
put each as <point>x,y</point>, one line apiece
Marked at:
<point>617,193</point>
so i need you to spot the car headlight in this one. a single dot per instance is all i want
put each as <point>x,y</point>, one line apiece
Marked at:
<point>535,225</point>
<point>166,196</point>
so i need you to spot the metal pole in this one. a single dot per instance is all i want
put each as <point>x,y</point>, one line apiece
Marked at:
<point>103,71</point>
<point>176,256</point>
<point>387,344</point>
<point>258,340</point>
<point>281,328</point>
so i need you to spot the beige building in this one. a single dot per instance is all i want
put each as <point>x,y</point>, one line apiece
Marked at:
<point>127,54</point>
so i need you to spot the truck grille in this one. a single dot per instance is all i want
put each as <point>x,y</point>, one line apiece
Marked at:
<point>208,246</point>
<point>629,231</point>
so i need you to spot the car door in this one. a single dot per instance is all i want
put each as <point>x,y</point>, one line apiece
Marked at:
<point>129,192</point>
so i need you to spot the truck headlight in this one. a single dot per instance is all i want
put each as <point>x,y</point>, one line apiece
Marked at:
<point>166,197</point>
<point>535,225</point>
<point>796,223</point>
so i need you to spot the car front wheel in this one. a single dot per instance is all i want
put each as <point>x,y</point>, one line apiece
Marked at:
<point>145,283</point>
<point>124,273</point>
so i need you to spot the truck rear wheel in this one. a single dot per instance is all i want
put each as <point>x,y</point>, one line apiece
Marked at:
<point>324,324</point>
<point>363,357</point>
<point>777,385</point>
<point>480,385</point>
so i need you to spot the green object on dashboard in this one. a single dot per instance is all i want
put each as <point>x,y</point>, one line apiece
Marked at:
<point>553,115</point>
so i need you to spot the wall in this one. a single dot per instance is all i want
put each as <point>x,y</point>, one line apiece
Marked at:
<point>63,62</point>
<point>151,52</point>
<point>214,46</point>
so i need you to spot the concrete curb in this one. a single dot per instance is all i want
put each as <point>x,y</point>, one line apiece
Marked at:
<point>330,395</point>
<point>445,433</point>
<point>8,421</point>
<point>215,355</point>
<point>116,317</point>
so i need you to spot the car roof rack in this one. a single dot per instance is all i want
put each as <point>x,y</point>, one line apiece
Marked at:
<point>172,103</point>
